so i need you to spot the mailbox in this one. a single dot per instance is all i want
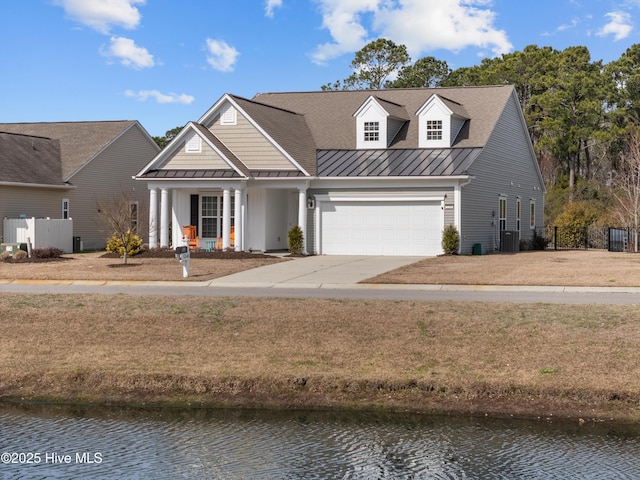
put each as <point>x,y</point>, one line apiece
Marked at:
<point>183,255</point>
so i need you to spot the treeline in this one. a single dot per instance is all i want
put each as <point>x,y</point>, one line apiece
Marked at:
<point>582,117</point>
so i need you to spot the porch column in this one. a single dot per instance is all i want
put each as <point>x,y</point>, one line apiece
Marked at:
<point>302,216</point>
<point>164,217</point>
<point>153,218</point>
<point>226,218</point>
<point>238,227</point>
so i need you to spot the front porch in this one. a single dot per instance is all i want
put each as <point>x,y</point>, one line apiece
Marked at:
<point>228,216</point>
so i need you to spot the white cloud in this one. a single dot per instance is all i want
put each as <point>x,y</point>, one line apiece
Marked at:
<point>129,53</point>
<point>420,25</point>
<point>160,97</point>
<point>620,26</point>
<point>221,56</point>
<point>271,6</point>
<point>101,15</point>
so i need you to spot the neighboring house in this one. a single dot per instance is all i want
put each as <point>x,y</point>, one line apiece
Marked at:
<point>94,161</point>
<point>361,172</point>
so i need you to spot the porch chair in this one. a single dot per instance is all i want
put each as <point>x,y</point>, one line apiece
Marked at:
<point>189,232</point>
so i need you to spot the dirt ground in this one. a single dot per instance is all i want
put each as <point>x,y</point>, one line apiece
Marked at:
<point>564,268</point>
<point>548,268</point>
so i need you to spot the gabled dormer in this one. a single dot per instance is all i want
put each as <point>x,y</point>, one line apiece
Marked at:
<point>378,121</point>
<point>439,122</point>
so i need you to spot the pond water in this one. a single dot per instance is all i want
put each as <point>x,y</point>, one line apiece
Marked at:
<point>38,442</point>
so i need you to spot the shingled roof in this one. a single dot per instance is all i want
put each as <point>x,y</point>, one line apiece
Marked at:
<point>329,114</point>
<point>79,141</point>
<point>29,159</point>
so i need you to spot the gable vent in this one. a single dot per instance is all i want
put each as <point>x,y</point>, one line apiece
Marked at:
<point>194,144</point>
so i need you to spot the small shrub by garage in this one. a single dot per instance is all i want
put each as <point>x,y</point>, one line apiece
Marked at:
<point>450,240</point>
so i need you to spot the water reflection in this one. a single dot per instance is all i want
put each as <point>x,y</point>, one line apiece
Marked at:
<point>239,444</point>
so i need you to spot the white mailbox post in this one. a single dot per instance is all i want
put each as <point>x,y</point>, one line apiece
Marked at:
<point>184,256</point>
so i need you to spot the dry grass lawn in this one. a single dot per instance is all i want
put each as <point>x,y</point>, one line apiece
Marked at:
<point>565,268</point>
<point>497,359</point>
<point>561,268</point>
<point>94,266</point>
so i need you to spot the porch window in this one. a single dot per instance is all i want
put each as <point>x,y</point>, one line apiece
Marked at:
<point>211,212</point>
<point>502,218</point>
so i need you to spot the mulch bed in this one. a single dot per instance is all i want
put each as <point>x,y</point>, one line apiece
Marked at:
<point>170,253</point>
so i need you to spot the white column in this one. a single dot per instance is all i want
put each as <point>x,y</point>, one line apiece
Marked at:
<point>164,217</point>
<point>226,218</point>
<point>302,216</point>
<point>237,216</point>
<point>153,218</point>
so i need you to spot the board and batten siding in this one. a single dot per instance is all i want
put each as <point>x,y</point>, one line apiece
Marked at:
<point>505,167</point>
<point>108,175</point>
<point>206,159</point>
<point>250,145</point>
<point>38,202</point>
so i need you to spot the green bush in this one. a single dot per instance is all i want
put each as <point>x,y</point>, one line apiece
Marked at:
<point>296,240</point>
<point>450,240</point>
<point>116,245</point>
<point>572,222</point>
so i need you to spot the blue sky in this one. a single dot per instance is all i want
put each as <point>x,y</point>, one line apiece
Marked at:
<point>165,62</point>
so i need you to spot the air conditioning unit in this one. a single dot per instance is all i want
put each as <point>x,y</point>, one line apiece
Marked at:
<point>509,241</point>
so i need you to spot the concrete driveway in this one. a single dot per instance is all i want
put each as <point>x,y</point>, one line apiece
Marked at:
<point>315,271</point>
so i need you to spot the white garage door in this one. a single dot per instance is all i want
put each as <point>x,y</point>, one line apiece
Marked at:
<point>381,228</point>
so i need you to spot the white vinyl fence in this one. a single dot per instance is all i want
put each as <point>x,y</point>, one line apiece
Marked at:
<point>42,232</point>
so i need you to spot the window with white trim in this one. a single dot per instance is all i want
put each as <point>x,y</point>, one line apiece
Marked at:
<point>211,213</point>
<point>193,144</point>
<point>532,214</point>
<point>371,131</point>
<point>502,215</point>
<point>133,212</point>
<point>434,129</point>
<point>518,213</point>
<point>65,208</point>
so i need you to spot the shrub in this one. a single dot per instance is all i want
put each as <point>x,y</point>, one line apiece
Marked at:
<point>4,256</point>
<point>537,242</point>
<point>50,252</point>
<point>573,220</point>
<point>296,239</point>
<point>450,240</point>
<point>19,255</point>
<point>115,244</point>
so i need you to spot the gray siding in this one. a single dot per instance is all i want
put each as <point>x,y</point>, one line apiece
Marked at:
<point>505,167</point>
<point>107,175</point>
<point>32,202</point>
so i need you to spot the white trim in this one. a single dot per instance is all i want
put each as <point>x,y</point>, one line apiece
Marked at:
<point>227,98</point>
<point>377,197</point>
<point>37,185</point>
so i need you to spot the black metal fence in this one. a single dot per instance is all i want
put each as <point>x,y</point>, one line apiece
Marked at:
<point>613,239</point>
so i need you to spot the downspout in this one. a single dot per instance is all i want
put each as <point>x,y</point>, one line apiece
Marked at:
<point>457,199</point>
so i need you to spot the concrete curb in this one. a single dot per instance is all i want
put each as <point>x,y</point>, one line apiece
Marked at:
<point>216,283</point>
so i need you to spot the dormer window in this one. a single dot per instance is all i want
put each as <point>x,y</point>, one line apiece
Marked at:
<point>434,129</point>
<point>377,123</point>
<point>440,120</point>
<point>371,131</point>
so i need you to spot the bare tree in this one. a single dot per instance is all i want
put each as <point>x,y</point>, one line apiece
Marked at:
<point>121,213</point>
<point>627,185</point>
